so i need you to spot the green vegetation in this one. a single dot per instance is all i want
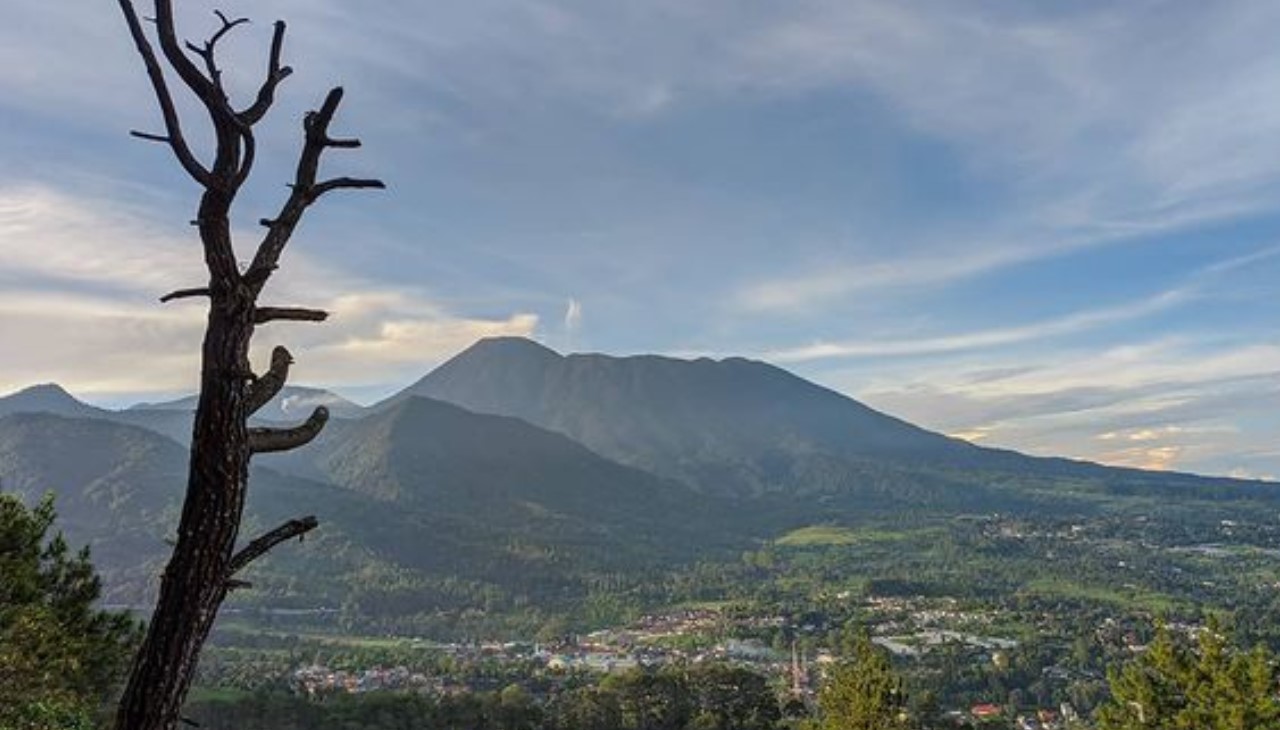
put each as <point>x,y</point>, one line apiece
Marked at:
<point>1130,598</point>
<point>1204,685</point>
<point>825,535</point>
<point>863,693</point>
<point>705,697</point>
<point>59,656</point>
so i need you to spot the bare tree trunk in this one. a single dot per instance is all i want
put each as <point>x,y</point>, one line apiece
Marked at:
<point>195,581</point>
<point>201,570</point>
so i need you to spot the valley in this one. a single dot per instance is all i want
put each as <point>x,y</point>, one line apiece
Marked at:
<point>1013,612</point>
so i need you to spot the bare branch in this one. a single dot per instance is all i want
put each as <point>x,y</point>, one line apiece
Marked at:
<point>181,63</point>
<point>236,584</point>
<point>352,183</point>
<point>246,161</point>
<point>209,50</point>
<point>275,74</point>
<point>262,390</point>
<point>262,315</point>
<point>200,291</point>
<point>269,440</point>
<point>315,126</point>
<point>305,191</point>
<point>228,128</point>
<point>347,143</point>
<point>172,124</point>
<point>210,64</point>
<point>227,26</point>
<point>263,544</point>
<point>149,136</point>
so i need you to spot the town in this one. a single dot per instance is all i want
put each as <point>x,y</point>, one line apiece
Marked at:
<point>920,634</point>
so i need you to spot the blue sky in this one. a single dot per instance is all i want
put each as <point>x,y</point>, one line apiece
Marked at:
<point>1045,226</point>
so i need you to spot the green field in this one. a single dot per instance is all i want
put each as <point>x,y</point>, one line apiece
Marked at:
<point>819,535</point>
<point>1129,599</point>
<point>836,535</point>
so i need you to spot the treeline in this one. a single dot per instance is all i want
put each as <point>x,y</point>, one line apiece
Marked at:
<point>705,697</point>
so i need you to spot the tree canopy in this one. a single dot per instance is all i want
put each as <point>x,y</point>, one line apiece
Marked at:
<point>60,656</point>
<point>1202,685</point>
<point>863,692</point>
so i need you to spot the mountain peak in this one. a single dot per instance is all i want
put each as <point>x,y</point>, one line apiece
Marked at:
<point>509,346</point>
<point>518,362</point>
<point>723,426</point>
<point>43,390</point>
<point>45,398</point>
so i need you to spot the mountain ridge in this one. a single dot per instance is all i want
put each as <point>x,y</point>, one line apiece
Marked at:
<point>731,426</point>
<point>534,375</point>
<point>639,466</point>
<point>293,401</point>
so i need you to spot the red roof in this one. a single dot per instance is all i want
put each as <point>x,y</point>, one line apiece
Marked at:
<point>986,710</point>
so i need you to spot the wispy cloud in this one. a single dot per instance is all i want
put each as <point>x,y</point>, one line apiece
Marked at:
<point>79,306</point>
<point>1046,329</point>
<point>1158,404</point>
<point>1041,90</point>
<point>572,316</point>
<point>572,323</point>
<point>1075,111</point>
<point>1056,230</point>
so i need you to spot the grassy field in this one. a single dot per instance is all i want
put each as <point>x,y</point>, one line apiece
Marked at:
<point>835,536</point>
<point>819,535</point>
<point>1135,598</point>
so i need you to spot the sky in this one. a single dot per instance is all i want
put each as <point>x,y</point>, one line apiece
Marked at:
<point>1053,227</point>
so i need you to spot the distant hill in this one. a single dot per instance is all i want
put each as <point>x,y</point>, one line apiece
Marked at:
<point>173,418</point>
<point>293,402</point>
<point>48,398</point>
<point>430,508</point>
<point>515,477</point>
<point>119,488</point>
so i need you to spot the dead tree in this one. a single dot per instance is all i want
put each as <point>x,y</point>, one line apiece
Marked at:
<point>204,564</point>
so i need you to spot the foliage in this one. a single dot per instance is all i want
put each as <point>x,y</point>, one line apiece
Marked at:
<point>731,698</point>
<point>863,692</point>
<point>1207,685</point>
<point>59,656</point>
<point>704,697</point>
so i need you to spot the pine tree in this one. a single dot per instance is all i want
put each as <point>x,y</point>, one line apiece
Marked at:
<point>863,693</point>
<point>59,655</point>
<point>1206,686</point>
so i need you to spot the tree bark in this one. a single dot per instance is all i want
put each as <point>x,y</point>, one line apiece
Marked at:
<point>195,581</point>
